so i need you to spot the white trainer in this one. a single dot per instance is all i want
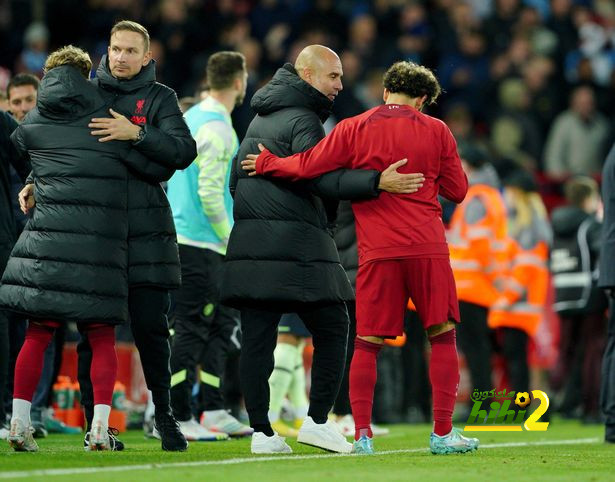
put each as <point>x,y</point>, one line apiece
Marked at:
<point>4,433</point>
<point>262,444</point>
<point>99,438</point>
<point>193,431</point>
<point>324,436</point>
<point>220,421</point>
<point>346,425</point>
<point>20,437</point>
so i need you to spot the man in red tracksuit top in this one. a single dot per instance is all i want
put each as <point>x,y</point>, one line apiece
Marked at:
<point>401,240</point>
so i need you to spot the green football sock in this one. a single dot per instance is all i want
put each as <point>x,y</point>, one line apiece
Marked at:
<point>285,357</point>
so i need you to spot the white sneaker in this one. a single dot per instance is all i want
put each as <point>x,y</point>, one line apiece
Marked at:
<point>346,425</point>
<point>378,431</point>
<point>220,421</point>
<point>99,438</point>
<point>195,432</point>
<point>20,437</point>
<point>4,433</point>
<point>324,436</point>
<point>261,444</point>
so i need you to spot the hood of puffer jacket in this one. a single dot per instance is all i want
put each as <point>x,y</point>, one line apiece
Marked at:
<point>287,89</point>
<point>567,219</point>
<point>106,80</point>
<point>64,94</point>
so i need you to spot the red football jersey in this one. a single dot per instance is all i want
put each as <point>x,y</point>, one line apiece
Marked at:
<point>391,225</point>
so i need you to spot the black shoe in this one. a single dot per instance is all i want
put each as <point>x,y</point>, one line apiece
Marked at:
<point>116,444</point>
<point>170,435</point>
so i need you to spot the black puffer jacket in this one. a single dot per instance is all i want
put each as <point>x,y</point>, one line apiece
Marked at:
<point>153,258</point>
<point>70,262</point>
<point>346,241</point>
<point>280,251</point>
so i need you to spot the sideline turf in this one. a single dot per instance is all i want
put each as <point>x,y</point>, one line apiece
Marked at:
<point>583,461</point>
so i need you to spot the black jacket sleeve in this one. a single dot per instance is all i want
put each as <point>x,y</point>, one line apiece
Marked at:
<point>167,140</point>
<point>146,169</point>
<point>18,154</point>
<point>342,184</point>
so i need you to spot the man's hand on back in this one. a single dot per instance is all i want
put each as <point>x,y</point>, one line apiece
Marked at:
<point>117,128</point>
<point>26,198</point>
<point>249,163</point>
<point>398,183</point>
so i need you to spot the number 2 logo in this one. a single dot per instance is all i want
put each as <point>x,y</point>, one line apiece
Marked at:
<point>532,422</point>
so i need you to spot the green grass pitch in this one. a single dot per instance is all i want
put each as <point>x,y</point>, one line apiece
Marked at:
<point>566,451</point>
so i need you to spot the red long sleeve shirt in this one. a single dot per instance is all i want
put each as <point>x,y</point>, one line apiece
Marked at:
<point>392,225</point>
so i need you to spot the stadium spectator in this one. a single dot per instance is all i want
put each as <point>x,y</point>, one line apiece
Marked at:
<point>205,330</point>
<point>577,139</point>
<point>68,280</point>
<point>396,261</point>
<point>280,238</point>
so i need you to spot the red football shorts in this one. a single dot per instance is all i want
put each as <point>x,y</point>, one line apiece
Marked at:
<point>384,286</point>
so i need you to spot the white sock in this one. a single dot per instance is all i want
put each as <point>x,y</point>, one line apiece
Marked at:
<point>21,410</point>
<point>101,415</point>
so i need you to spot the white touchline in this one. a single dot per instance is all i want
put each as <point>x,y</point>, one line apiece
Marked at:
<point>246,460</point>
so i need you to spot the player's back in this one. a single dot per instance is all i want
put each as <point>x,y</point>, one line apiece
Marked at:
<point>382,136</point>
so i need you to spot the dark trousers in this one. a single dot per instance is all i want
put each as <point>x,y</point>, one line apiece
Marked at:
<point>4,341</point>
<point>607,389</point>
<point>205,332</point>
<point>514,350</point>
<point>148,308</point>
<point>342,401</point>
<point>329,328</point>
<point>474,340</point>
<point>417,388</point>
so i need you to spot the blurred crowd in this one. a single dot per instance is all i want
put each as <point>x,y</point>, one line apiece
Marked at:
<point>532,80</point>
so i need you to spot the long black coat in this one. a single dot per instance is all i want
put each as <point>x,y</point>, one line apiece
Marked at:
<point>607,253</point>
<point>280,250</point>
<point>153,258</point>
<point>71,261</point>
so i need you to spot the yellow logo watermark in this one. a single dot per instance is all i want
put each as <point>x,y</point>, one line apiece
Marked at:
<point>500,417</point>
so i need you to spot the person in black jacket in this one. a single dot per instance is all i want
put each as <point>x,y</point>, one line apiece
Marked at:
<point>579,302</point>
<point>145,116</point>
<point>281,255</point>
<point>70,263</point>
<point>607,282</point>
<point>8,234</point>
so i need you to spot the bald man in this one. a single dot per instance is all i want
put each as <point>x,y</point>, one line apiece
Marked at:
<point>281,256</point>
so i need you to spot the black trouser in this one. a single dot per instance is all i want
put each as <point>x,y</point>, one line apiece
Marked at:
<point>607,389</point>
<point>416,375</point>
<point>342,402</point>
<point>205,332</point>
<point>474,339</point>
<point>514,349</point>
<point>148,307</point>
<point>329,328</point>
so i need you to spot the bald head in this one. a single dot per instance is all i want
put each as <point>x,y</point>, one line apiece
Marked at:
<point>320,67</point>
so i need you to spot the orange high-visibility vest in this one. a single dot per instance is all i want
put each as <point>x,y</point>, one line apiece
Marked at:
<point>478,249</point>
<point>526,289</point>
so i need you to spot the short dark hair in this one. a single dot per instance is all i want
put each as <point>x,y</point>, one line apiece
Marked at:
<point>223,67</point>
<point>412,80</point>
<point>580,188</point>
<point>131,26</point>
<point>20,80</point>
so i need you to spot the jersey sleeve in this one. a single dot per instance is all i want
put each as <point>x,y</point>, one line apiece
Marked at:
<point>452,180</point>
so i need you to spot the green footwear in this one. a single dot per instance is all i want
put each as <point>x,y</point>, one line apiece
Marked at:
<point>53,425</point>
<point>363,446</point>
<point>453,443</point>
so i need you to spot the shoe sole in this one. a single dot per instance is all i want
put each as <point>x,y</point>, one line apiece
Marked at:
<point>326,447</point>
<point>182,449</point>
<point>452,450</point>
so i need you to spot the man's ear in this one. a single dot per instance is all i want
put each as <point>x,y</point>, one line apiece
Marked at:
<point>421,102</point>
<point>147,58</point>
<point>385,95</point>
